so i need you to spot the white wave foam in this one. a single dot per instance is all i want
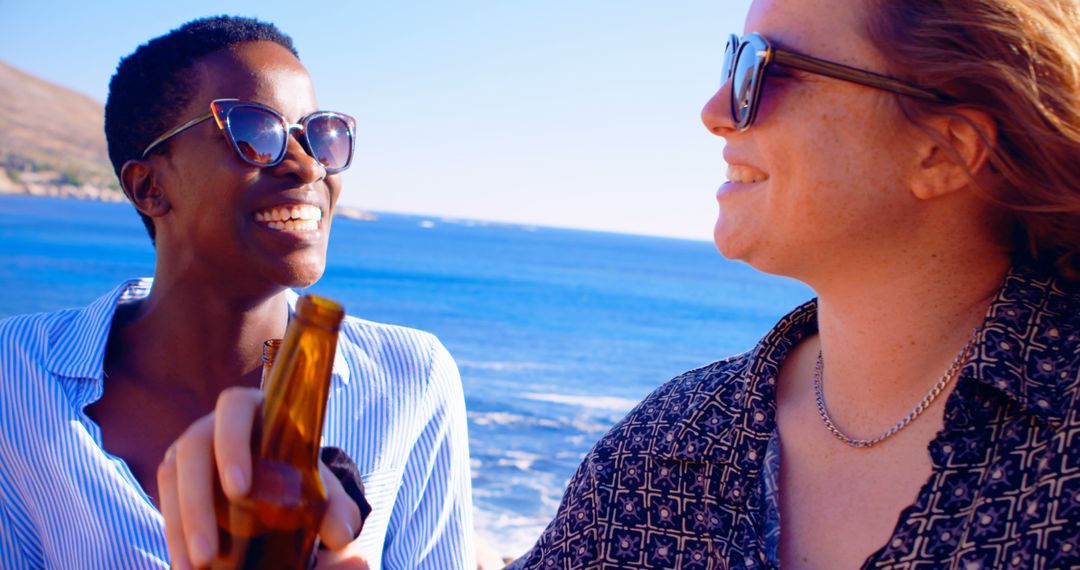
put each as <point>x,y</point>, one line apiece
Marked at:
<point>511,535</point>
<point>502,366</point>
<point>508,419</point>
<point>520,459</point>
<point>607,403</point>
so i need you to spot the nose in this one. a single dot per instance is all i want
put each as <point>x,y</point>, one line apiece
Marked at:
<point>298,163</point>
<point>716,115</point>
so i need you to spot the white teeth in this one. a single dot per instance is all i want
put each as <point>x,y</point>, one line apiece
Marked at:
<point>745,175</point>
<point>301,217</point>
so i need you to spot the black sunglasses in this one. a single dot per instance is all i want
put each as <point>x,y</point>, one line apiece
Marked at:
<point>260,135</point>
<point>746,60</point>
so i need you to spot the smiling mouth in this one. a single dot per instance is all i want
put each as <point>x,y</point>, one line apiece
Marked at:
<point>292,218</point>
<point>745,175</point>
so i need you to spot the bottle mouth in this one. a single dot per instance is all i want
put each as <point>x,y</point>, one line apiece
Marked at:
<point>270,349</point>
<point>320,311</point>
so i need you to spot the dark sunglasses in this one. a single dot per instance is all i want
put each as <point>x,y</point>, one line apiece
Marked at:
<point>260,135</point>
<point>747,59</point>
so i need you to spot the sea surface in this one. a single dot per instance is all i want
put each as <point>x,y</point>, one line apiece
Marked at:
<point>557,333</point>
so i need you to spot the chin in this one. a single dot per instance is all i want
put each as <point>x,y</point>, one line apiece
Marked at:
<point>729,243</point>
<point>304,273</point>
<point>305,279</point>
<point>736,247</point>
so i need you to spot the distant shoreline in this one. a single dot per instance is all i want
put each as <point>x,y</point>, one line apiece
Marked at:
<point>48,184</point>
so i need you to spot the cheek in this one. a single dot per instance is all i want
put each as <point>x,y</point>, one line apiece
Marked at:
<point>334,185</point>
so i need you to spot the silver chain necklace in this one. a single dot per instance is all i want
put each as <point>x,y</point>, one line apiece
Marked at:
<point>939,387</point>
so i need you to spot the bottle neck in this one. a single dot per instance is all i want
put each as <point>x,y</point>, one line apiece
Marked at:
<point>298,386</point>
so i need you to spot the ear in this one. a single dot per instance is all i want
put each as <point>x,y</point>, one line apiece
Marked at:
<point>957,149</point>
<point>141,187</point>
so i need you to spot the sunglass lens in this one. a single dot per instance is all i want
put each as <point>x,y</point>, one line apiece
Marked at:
<point>742,85</point>
<point>729,58</point>
<point>330,141</point>
<point>258,134</point>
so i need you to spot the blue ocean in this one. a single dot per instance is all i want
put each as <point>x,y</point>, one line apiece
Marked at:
<point>557,333</point>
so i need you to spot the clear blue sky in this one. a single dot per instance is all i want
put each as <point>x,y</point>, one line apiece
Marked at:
<point>571,113</point>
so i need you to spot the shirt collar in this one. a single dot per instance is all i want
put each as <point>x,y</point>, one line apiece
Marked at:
<point>1029,342</point>
<point>78,349</point>
<point>738,391</point>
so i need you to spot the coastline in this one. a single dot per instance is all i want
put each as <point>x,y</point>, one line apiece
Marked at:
<point>66,186</point>
<point>52,184</point>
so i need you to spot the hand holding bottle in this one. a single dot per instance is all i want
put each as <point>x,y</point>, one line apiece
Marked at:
<point>219,444</point>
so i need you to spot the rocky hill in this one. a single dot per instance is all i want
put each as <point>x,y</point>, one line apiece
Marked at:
<point>52,143</point>
<point>52,140</point>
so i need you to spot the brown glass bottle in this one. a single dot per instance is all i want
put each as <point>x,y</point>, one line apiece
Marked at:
<point>276,525</point>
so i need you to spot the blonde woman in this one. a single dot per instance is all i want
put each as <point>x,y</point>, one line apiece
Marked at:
<point>917,163</point>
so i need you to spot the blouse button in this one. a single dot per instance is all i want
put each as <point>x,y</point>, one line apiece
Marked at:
<point>897,543</point>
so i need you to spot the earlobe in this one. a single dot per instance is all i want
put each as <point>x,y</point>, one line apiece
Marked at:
<point>141,187</point>
<point>958,151</point>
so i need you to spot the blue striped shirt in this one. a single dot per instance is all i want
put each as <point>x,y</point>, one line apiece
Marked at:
<point>396,407</point>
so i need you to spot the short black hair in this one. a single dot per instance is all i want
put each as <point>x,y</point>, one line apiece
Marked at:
<point>153,85</point>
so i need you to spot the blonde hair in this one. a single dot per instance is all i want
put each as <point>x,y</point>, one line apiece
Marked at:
<point>1019,62</point>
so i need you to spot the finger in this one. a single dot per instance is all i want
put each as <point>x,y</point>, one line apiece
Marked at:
<point>349,558</point>
<point>339,525</point>
<point>170,511</point>
<point>235,415</point>
<point>195,481</point>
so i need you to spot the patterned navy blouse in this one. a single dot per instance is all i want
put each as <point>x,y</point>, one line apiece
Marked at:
<point>683,481</point>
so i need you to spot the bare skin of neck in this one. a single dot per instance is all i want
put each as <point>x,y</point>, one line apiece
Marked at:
<point>889,327</point>
<point>168,358</point>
